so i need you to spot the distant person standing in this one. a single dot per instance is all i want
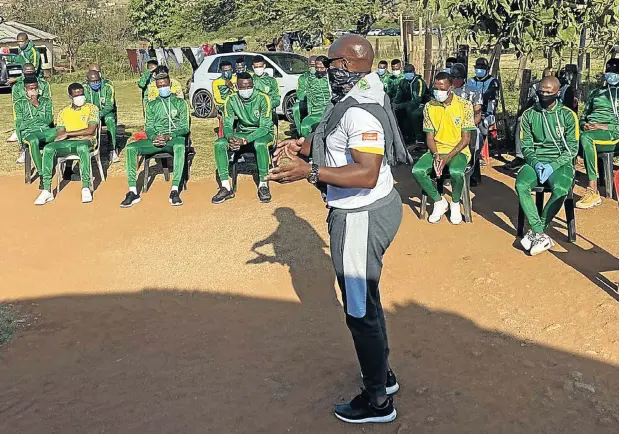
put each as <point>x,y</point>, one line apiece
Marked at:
<point>28,53</point>
<point>352,150</point>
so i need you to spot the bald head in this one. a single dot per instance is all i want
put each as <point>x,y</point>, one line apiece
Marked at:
<point>356,53</point>
<point>550,85</point>
<point>93,76</point>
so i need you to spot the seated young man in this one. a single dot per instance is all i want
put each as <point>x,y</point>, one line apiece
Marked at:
<point>254,128</point>
<point>302,93</point>
<point>175,85</point>
<point>264,83</point>
<point>101,94</point>
<point>18,91</point>
<point>239,66</point>
<point>318,94</point>
<point>146,79</point>
<point>167,128</point>
<point>76,133</point>
<point>447,122</point>
<point>449,62</point>
<point>600,130</point>
<point>549,139</point>
<point>34,116</point>
<point>408,104</point>
<point>224,86</point>
<point>383,71</point>
<point>393,80</point>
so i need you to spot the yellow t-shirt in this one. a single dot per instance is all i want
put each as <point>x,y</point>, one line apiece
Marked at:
<point>175,88</point>
<point>74,120</point>
<point>448,122</point>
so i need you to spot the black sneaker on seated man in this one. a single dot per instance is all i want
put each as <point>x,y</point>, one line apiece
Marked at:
<point>130,199</point>
<point>222,195</point>
<point>264,194</point>
<point>175,198</point>
<point>361,410</point>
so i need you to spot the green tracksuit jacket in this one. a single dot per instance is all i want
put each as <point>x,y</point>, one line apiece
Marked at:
<point>254,116</point>
<point>267,84</point>
<point>29,55</point>
<point>29,118</point>
<point>318,94</point>
<point>391,84</point>
<point>603,108</point>
<point>409,94</point>
<point>302,85</point>
<point>143,83</point>
<point>18,91</point>
<point>549,136</point>
<point>104,98</point>
<point>167,116</point>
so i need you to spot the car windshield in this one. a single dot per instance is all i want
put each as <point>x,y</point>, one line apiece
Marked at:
<point>288,62</point>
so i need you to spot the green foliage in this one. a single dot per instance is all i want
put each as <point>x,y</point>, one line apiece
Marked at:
<point>157,21</point>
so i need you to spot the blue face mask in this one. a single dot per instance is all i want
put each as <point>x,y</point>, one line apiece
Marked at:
<point>95,86</point>
<point>409,76</point>
<point>448,70</point>
<point>480,73</point>
<point>612,78</point>
<point>164,92</point>
<point>381,71</point>
<point>227,75</point>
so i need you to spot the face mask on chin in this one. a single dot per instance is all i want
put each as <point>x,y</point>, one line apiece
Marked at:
<point>79,101</point>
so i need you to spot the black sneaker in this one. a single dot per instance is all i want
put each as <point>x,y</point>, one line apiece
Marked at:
<point>392,383</point>
<point>222,195</point>
<point>175,198</point>
<point>264,194</point>
<point>515,164</point>
<point>130,199</point>
<point>361,410</point>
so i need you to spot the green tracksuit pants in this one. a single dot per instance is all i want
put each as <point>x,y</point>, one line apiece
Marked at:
<point>261,146</point>
<point>110,124</point>
<point>309,124</point>
<point>35,141</point>
<point>176,147</point>
<point>425,166</point>
<point>62,149</point>
<point>560,182</point>
<point>593,142</point>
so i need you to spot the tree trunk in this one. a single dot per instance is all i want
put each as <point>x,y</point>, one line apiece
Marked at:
<point>496,59</point>
<point>522,65</point>
<point>427,60</point>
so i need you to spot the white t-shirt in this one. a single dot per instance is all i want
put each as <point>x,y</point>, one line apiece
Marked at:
<point>361,131</point>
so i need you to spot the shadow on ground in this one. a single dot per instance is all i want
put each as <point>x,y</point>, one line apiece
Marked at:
<point>167,360</point>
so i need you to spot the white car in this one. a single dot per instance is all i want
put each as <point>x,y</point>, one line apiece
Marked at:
<point>285,67</point>
<point>374,32</point>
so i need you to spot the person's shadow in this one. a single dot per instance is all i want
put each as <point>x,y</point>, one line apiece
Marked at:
<point>296,244</point>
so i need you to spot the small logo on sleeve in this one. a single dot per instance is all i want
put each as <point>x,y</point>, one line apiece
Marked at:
<point>369,137</point>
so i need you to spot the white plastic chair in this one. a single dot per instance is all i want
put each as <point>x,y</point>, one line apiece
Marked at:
<point>95,153</point>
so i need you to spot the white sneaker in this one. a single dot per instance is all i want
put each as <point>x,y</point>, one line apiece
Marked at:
<point>440,208</point>
<point>44,197</point>
<point>114,158</point>
<point>541,243</point>
<point>86,195</point>
<point>455,216</point>
<point>527,241</point>
<point>13,137</point>
<point>22,158</point>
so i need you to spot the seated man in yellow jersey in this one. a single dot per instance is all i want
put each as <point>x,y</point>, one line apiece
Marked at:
<point>224,86</point>
<point>175,86</point>
<point>76,133</point>
<point>447,122</point>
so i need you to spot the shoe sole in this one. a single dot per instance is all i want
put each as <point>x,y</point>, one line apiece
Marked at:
<point>138,200</point>
<point>552,244</point>
<point>598,203</point>
<point>223,200</point>
<point>264,200</point>
<point>455,223</point>
<point>47,201</point>
<point>175,204</point>
<point>393,389</point>
<point>377,419</point>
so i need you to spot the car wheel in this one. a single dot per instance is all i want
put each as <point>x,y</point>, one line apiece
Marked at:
<point>289,101</point>
<point>203,104</point>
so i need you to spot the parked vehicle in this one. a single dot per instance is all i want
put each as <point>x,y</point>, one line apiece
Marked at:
<point>8,70</point>
<point>375,32</point>
<point>284,67</point>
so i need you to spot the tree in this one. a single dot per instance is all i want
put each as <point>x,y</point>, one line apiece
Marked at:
<point>158,21</point>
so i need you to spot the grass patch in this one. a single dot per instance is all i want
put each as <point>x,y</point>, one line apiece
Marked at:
<point>7,323</point>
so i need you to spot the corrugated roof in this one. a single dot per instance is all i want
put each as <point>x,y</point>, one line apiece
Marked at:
<point>10,29</point>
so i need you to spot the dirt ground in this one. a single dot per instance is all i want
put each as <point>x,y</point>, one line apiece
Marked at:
<point>225,319</point>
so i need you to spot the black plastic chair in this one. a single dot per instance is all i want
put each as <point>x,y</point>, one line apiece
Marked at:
<point>607,164</point>
<point>540,191</point>
<point>164,157</point>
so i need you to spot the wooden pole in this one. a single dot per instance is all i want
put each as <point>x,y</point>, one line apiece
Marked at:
<point>581,54</point>
<point>427,60</point>
<point>420,44</point>
<point>377,49</point>
<point>402,36</point>
<point>525,84</point>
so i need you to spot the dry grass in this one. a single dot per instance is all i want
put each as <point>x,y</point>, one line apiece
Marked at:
<point>129,118</point>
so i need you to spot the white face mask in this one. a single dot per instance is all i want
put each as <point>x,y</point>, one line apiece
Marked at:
<point>397,72</point>
<point>32,93</point>
<point>79,101</point>
<point>441,95</point>
<point>246,93</point>
<point>259,71</point>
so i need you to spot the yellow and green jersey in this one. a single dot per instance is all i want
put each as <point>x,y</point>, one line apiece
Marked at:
<point>221,91</point>
<point>447,122</point>
<point>75,119</point>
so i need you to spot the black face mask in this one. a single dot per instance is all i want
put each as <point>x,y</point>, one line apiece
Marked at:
<point>546,100</point>
<point>321,74</point>
<point>342,81</point>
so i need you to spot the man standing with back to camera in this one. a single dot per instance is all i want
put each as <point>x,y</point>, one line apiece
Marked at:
<point>352,149</point>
